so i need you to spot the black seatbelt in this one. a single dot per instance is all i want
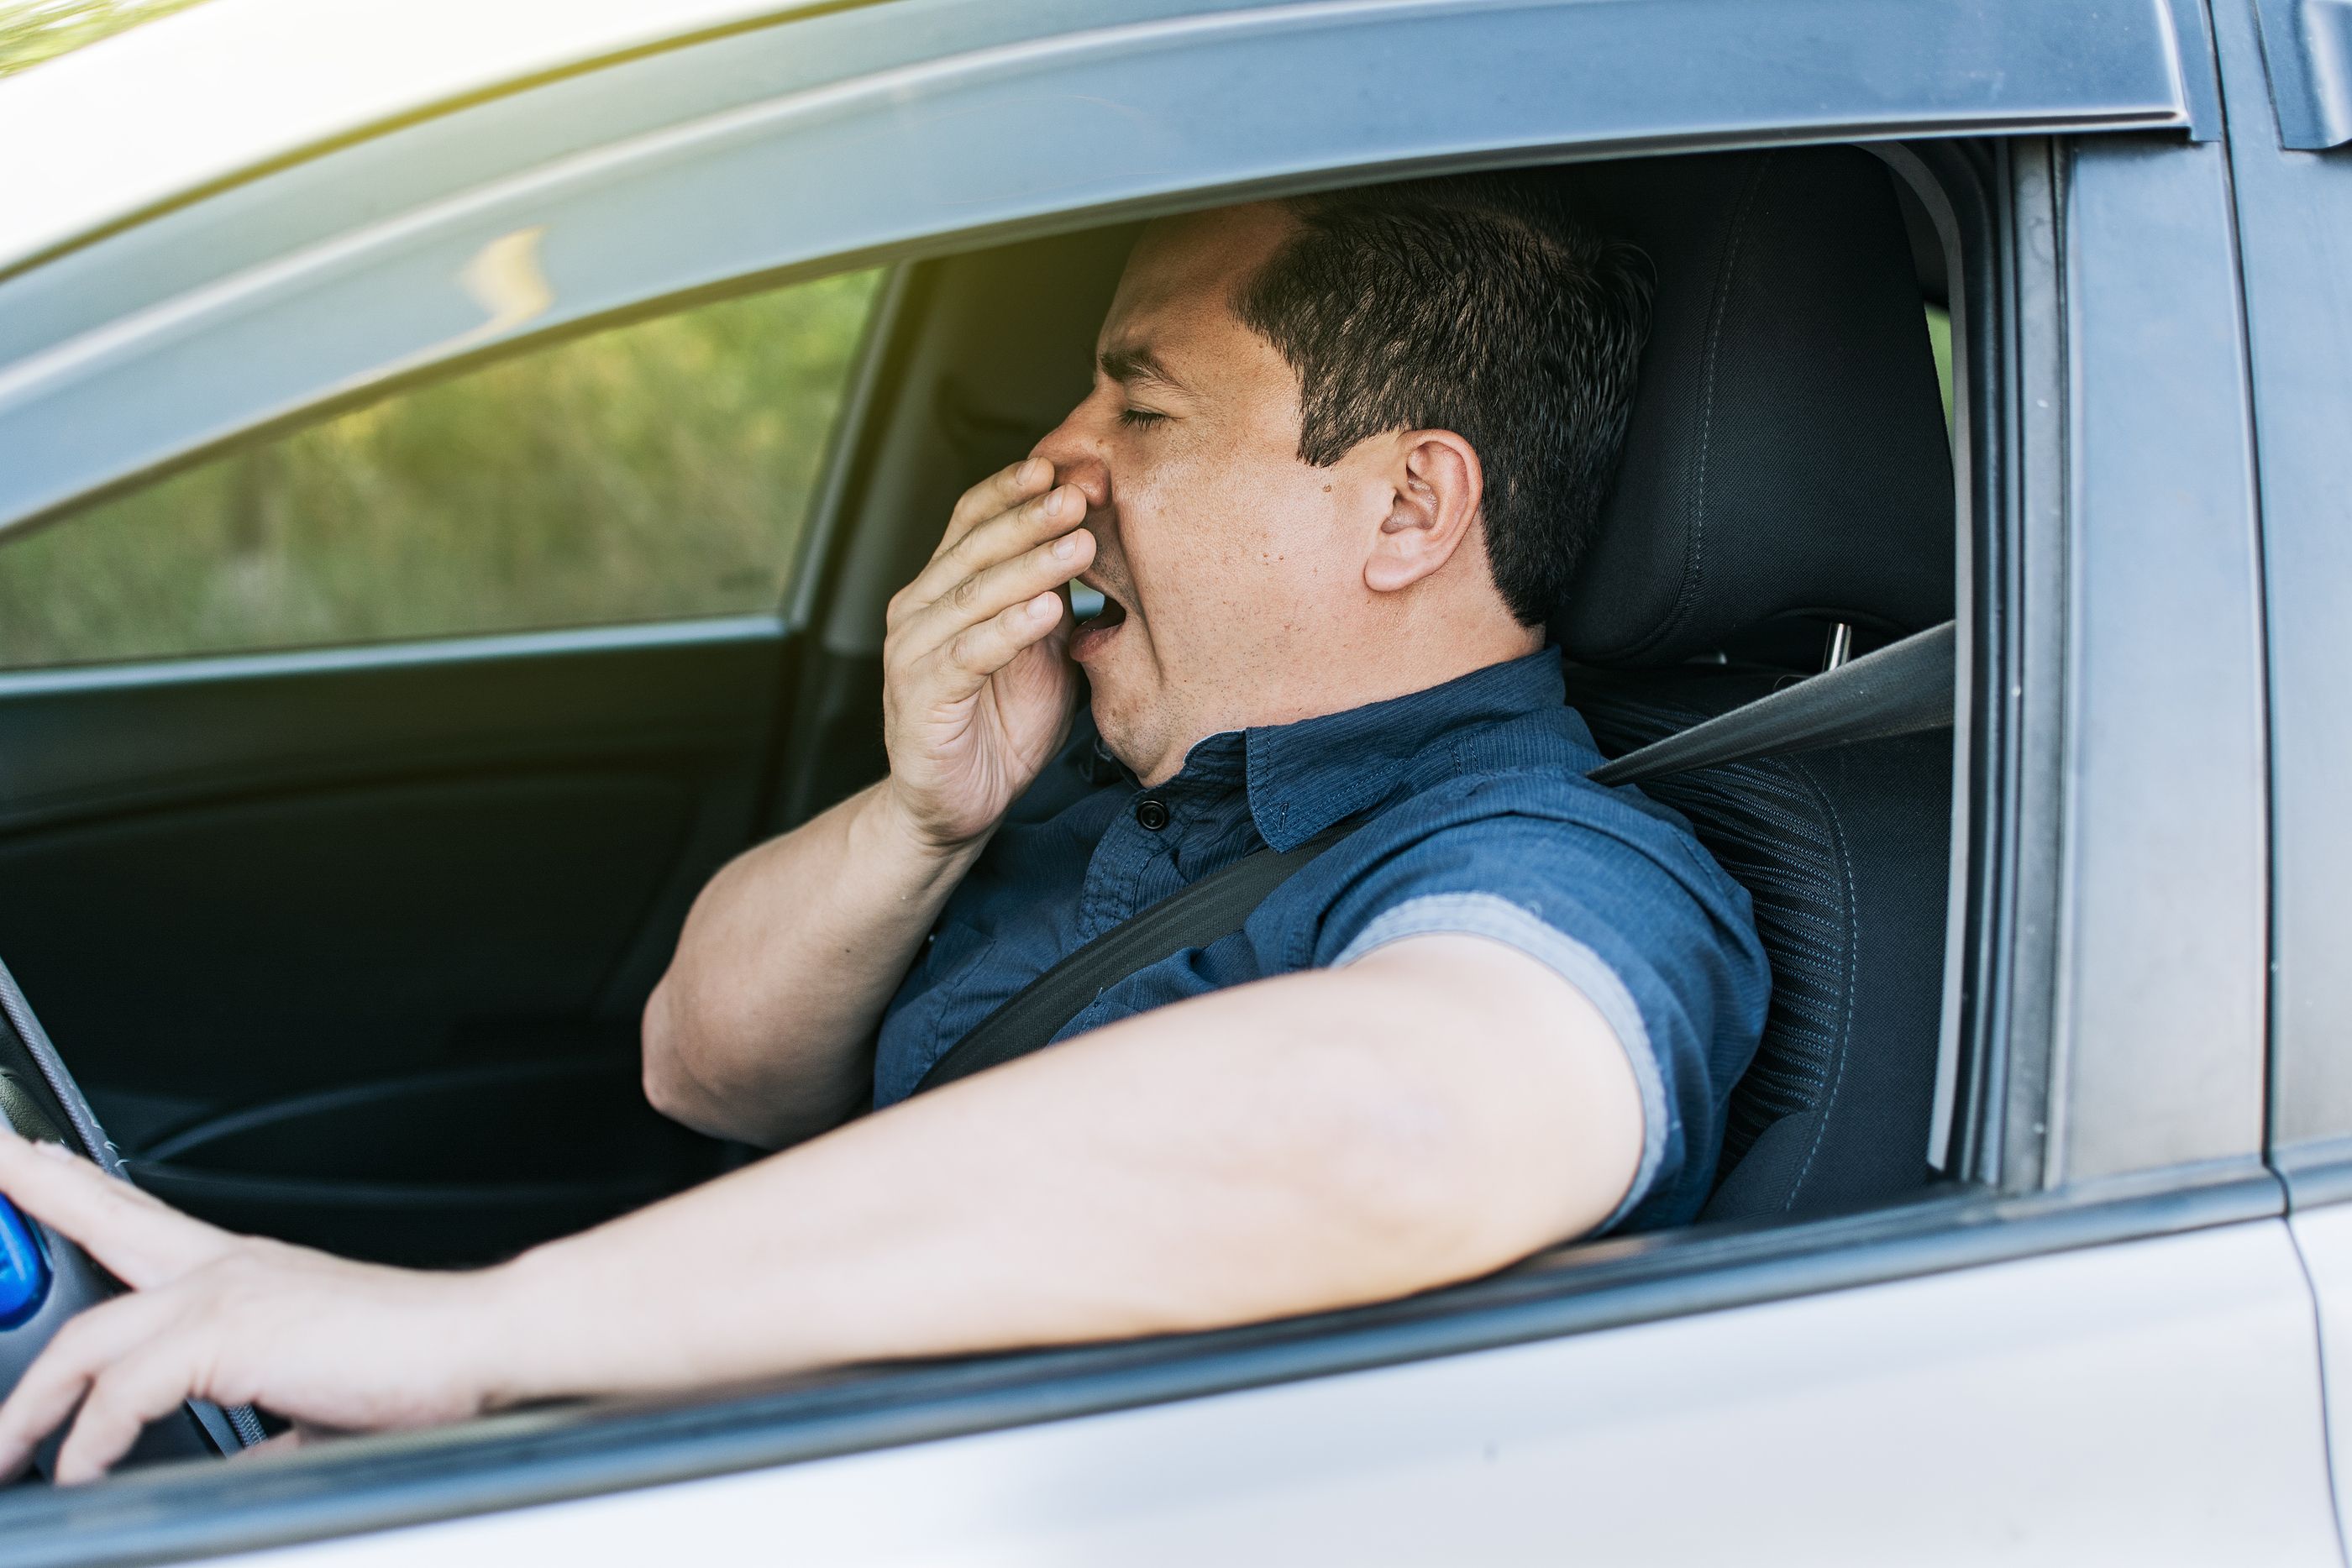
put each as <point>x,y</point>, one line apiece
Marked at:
<point>1902,688</point>
<point>1192,916</point>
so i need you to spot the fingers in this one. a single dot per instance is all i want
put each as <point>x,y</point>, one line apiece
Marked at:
<point>141,1385</point>
<point>62,1374</point>
<point>1005,585</point>
<point>137,1238</point>
<point>976,653</point>
<point>1000,492</point>
<point>990,543</point>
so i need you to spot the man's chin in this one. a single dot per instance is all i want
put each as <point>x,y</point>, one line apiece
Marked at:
<point>1122,728</point>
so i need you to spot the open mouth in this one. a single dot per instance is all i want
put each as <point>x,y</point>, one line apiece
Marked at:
<point>1099,615</point>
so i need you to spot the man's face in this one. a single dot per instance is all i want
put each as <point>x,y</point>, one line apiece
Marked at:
<point>1226,558</point>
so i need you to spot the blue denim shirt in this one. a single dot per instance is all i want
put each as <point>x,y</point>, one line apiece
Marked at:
<point>1477,818</point>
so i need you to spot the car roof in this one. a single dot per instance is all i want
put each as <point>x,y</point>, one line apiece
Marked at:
<point>189,100</point>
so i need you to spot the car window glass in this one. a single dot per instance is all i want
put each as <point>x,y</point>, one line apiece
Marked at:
<point>650,472</point>
<point>1939,337</point>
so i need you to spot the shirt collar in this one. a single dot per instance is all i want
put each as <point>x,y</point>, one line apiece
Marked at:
<point>1302,777</point>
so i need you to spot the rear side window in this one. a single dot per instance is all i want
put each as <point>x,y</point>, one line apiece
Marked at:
<point>652,472</point>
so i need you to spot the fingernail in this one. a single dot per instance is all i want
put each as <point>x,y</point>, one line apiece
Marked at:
<point>1046,604</point>
<point>1066,547</point>
<point>1034,470</point>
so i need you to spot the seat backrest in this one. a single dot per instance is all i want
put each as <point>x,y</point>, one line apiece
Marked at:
<point>1787,463</point>
<point>1842,854</point>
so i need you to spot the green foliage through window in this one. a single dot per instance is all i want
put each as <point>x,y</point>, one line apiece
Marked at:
<point>651,471</point>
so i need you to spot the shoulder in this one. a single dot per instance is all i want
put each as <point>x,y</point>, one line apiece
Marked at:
<point>1511,802</point>
<point>1602,886</point>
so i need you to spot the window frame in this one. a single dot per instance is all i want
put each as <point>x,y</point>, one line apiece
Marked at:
<point>2010,354</point>
<point>282,334</point>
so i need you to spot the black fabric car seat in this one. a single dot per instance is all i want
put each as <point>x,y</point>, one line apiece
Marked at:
<point>1787,466</point>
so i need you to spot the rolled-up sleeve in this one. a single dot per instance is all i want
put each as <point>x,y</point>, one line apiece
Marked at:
<point>1623,907</point>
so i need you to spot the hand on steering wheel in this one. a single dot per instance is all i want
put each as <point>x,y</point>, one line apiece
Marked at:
<point>326,1342</point>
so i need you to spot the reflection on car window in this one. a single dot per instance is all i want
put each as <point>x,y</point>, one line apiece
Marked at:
<point>650,471</point>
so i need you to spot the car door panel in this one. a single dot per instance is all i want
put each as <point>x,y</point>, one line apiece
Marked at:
<point>238,885</point>
<point>2294,236</point>
<point>2147,1402</point>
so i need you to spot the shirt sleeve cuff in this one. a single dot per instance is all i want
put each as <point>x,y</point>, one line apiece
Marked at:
<point>1485,914</point>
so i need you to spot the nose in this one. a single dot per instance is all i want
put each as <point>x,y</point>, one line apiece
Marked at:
<point>1076,449</point>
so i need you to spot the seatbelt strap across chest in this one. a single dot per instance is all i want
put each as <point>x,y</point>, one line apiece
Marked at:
<point>1193,916</point>
<point>1902,688</point>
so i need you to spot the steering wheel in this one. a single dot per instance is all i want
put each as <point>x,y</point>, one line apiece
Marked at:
<point>45,1278</point>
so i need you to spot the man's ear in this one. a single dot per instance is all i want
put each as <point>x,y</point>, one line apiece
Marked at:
<point>1435,486</point>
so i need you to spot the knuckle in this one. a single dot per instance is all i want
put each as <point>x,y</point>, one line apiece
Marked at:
<point>108,1396</point>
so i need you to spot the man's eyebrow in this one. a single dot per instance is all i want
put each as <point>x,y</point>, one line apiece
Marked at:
<point>1130,366</point>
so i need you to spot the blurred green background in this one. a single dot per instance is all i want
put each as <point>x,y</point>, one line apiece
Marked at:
<point>654,470</point>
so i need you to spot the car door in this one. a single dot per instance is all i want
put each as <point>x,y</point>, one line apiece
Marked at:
<point>2093,1341</point>
<point>2291,154</point>
<point>355,780</point>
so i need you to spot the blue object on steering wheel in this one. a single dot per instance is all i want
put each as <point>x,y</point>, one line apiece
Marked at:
<point>24,1268</point>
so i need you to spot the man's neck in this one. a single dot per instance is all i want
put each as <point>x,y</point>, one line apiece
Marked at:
<point>1352,680</point>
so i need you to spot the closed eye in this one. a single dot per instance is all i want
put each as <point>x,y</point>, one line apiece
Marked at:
<point>1138,418</point>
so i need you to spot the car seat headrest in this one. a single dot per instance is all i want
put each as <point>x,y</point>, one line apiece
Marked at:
<point>1786,454</point>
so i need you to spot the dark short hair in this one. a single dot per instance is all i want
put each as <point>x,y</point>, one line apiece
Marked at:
<point>1477,304</point>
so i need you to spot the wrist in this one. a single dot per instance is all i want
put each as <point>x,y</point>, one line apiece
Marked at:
<point>530,1349</point>
<point>889,817</point>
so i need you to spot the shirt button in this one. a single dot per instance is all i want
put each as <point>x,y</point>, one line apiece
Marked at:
<point>1151,813</point>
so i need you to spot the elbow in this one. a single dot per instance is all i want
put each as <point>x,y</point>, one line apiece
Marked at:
<point>669,1083</point>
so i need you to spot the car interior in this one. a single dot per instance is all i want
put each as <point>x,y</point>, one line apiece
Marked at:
<point>350,949</point>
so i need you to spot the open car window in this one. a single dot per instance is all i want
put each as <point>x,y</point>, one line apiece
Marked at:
<point>654,472</point>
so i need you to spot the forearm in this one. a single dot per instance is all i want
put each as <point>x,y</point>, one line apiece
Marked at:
<point>757,1030</point>
<point>1305,1143</point>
